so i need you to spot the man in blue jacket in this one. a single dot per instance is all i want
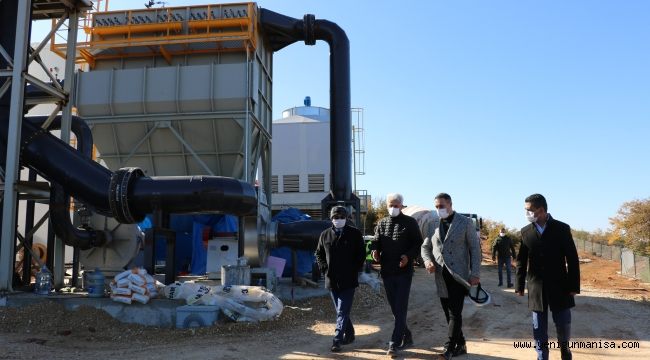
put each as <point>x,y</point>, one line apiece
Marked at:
<point>396,244</point>
<point>340,255</point>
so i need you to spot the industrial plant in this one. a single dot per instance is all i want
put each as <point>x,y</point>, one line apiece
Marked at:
<point>150,116</point>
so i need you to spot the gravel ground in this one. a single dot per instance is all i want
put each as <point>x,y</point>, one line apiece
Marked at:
<point>606,310</point>
<point>50,318</point>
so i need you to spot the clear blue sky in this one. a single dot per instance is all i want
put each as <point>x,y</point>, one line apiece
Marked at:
<point>489,101</point>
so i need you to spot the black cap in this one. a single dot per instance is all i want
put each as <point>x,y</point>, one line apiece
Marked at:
<point>339,211</point>
<point>478,295</point>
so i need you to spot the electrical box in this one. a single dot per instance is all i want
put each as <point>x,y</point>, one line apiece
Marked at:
<point>221,251</point>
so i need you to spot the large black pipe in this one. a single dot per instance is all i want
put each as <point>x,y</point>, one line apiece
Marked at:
<point>280,31</point>
<point>78,126</point>
<point>193,194</point>
<point>127,194</point>
<point>301,235</point>
<point>78,237</point>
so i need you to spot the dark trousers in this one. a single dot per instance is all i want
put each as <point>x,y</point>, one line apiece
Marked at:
<point>398,288</point>
<point>507,262</point>
<point>343,304</point>
<point>562,320</point>
<point>453,307</point>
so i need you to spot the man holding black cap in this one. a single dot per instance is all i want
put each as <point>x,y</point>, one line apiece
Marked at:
<point>341,254</point>
<point>453,253</point>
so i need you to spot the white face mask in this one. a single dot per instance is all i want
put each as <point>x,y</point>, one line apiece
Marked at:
<point>393,211</point>
<point>443,213</point>
<point>530,216</point>
<point>338,223</point>
<point>502,234</point>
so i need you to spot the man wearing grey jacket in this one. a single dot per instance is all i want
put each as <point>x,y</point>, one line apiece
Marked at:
<point>453,253</point>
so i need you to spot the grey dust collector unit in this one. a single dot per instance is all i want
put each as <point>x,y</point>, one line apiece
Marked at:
<point>192,102</point>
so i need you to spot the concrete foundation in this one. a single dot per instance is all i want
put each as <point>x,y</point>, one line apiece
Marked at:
<point>158,312</point>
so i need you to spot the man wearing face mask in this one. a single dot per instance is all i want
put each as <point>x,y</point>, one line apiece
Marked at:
<point>453,253</point>
<point>340,255</point>
<point>548,260</point>
<point>396,244</point>
<point>503,250</point>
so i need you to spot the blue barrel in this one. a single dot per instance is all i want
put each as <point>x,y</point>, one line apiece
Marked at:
<point>95,283</point>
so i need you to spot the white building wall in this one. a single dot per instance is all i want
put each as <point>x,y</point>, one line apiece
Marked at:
<point>301,147</point>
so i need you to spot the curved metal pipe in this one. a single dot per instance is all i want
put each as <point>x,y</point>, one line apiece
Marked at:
<point>80,237</point>
<point>83,238</point>
<point>280,31</point>
<point>78,126</point>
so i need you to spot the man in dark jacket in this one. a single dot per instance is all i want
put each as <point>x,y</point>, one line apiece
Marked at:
<point>396,244</point>
<point>548,260</point>
<point>340,255</point>
<point>503,250</point>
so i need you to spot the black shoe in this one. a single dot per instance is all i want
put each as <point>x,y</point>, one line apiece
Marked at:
<point>336,346</point>
<point>500,284</point>
<point>392,350</point>
<point>510,285</point>
<point>448,354</point>
<point>348,340</point>
<point>566,354</point>
<point>406,342</point>
<point>460,350</point>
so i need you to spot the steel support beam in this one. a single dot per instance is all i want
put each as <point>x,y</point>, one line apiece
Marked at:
<point>8,239</point>
<point>66,120</point>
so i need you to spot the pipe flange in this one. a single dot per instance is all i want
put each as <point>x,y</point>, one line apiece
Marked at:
<point>118,195</point>
<point>308,27</point>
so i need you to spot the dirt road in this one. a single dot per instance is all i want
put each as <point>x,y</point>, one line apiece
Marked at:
<point>602,316</point>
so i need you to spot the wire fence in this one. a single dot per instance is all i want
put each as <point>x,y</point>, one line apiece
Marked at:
<point>632,264</point>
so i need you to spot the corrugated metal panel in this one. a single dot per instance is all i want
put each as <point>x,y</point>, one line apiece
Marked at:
<point>291,183</point>
<point>316,182</point>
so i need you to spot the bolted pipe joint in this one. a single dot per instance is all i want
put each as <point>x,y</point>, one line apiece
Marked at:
<point>308,27</point>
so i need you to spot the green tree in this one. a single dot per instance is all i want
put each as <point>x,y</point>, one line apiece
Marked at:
<point>491,229</point>
<point>632,225</point>
<point>376,212</point>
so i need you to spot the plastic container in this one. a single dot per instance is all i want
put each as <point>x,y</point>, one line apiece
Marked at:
<point>235,275</point>
<point>192,316</point>
<point>43,284</point>
<point>95,284</point>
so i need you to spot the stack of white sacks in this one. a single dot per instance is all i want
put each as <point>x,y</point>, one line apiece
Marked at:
<point>134,285</point>
<point>238,302</point>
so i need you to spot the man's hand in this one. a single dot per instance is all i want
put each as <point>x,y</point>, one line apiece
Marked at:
<point>473,280</point>
<point>403,261</point>
<point>375,255</point>
<point>520,293</point>
<point>431,267</point>
<point>494,258</point>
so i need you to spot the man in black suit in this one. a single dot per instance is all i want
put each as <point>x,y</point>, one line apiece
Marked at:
<point>548,260</point>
